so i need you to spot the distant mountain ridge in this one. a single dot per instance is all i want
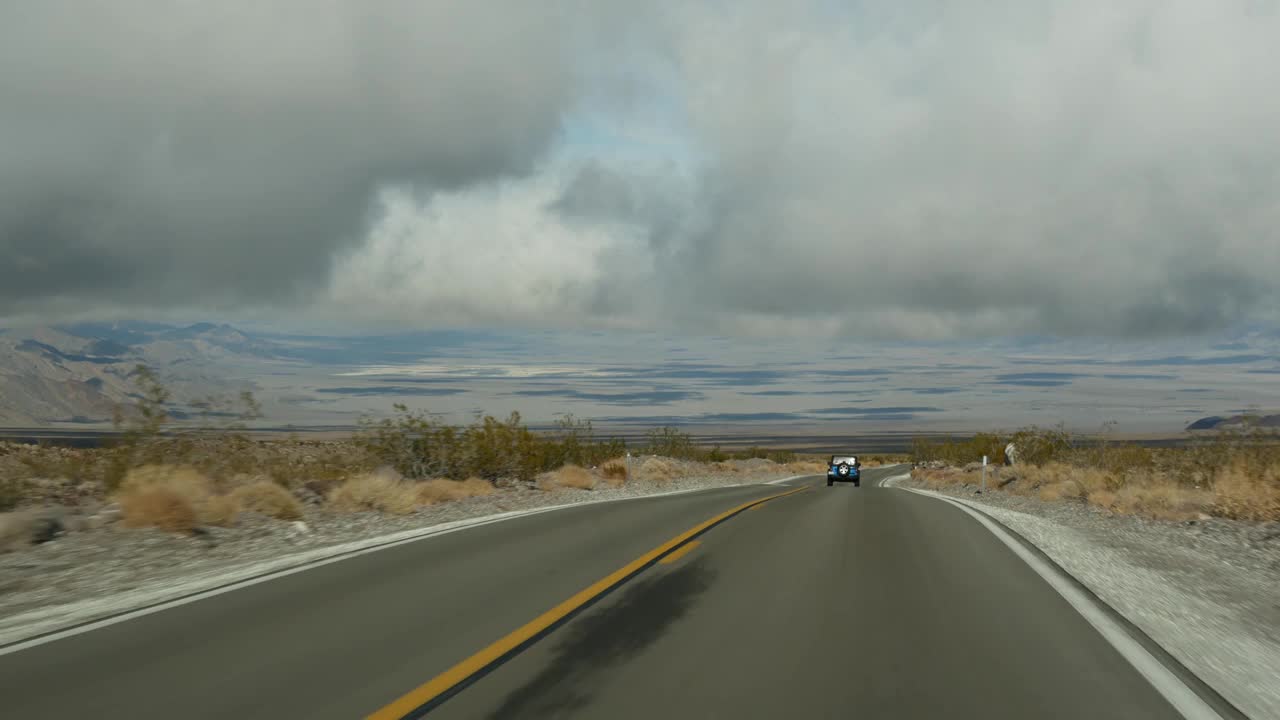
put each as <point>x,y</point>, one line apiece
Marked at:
<point>79,373</point>
<point>1231,422</point>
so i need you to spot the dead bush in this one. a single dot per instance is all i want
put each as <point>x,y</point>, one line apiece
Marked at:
<point>379,491</point>
<point>569,476</point>
<point>809,467</point>
<point>657,469</point>
<point>267,498</point>
<point>1064,490</point>
<point>17,529</point>
<point>12,491</point>
<point>153,487</point>
<point>1159,501</point>
<point>157,506</point>
<point>614,470</point>
<point>1247,495</point>
<point>439,490</point>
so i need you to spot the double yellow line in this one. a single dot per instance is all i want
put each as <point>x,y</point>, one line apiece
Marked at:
<point>425,697</point>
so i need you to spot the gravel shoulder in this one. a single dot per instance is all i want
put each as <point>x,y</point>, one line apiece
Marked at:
<point>1208,590</point>
<point>103,571</point>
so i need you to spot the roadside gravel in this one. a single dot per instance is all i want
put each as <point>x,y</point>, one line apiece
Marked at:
<point>102,571</point>
<point>1208,590</point>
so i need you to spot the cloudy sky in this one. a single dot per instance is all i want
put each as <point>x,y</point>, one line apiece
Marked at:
<point>914,169</point>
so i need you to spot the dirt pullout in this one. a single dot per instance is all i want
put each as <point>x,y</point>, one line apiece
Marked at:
<point>1204,589</point>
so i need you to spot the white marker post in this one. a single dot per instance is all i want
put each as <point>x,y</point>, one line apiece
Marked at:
<point>628,480</point>
<point>984,473</point>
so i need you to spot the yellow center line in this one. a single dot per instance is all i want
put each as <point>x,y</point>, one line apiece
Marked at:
<point>802,488</point>
<point>434,688</point>
<point>680,552</point>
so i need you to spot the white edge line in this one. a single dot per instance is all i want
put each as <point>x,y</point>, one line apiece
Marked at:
<point>37,622</point>
<point>893,481</point>
<point>1170,686</point>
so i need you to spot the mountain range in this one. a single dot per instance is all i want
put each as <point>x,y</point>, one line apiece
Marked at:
<point>79,373</point>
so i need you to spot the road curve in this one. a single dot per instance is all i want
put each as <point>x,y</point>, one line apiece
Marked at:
<point>829,602</point>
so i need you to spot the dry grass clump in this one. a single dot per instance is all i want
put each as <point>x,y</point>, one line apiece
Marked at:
<point>939,477</point>
<point>614,471</point>
<point>172,498</point>
<point>440,490</point>
<point>380,491</point>
<point>1063,490</point>
<point>569,476</point>
<point>385,491</point>
<point>267,498</point>
<point>1246,494</point>
<point>1136,492</point>
<point>657,469</point>
<point>16,529</point>
<point>880,460</point>
<point>12,491</point>
<point>807,467</point>
<point>158,507</point>
<point>1162,501</point>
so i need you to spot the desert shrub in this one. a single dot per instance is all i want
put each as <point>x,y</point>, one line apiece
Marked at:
<point>438,490</point>
<point>615,469</point>
<point>267,498</point>
<point>1123,458</point>
<point>657,469</point>
<point>147,438</point>
<point>1037,446</point>
<point>670,442</point>
<point>380,491</point>
<point>959,452</point>
<point>569,476</point>
<point>157,506</point>
<point>1247,493</point>
<point>12,491</point>
<point>1062,490</point>
<point>573,442</point>
<point>1159,500</point>
<point>754,452</point>
<point>154,486</point>
<point>418,445</point>
<point>808,467</point>
<point>1236,475</point>
<point>940,477</point>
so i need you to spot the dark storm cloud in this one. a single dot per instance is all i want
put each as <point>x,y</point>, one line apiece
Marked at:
<point>1093,168</point>
<point>220,153</point>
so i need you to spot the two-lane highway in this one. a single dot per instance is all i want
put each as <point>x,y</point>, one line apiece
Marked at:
<point>827,602</point>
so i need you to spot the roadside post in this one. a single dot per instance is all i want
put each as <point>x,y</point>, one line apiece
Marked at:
<point>628,480</point>
<point>984,473</point>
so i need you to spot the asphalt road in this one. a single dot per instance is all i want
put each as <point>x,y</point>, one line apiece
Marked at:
<point>830,602</point>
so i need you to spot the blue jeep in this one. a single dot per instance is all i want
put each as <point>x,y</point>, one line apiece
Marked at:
<point>844,468</point>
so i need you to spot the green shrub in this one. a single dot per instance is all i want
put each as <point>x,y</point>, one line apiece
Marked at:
<point>419,446</point>
<point>12,490</point>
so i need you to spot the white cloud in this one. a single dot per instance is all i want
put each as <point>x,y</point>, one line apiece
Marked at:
<point>493,255</point>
